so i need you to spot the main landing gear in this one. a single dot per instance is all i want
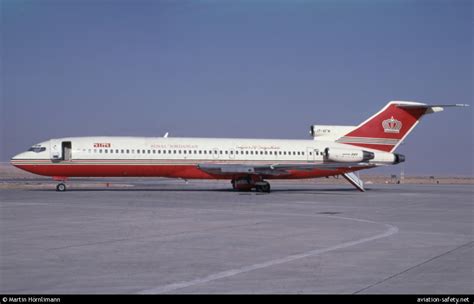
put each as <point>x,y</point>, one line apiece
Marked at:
<point>262,186</point>
<point>249,183</point>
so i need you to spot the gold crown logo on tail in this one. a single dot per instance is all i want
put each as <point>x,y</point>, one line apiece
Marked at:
<point>391,125</point>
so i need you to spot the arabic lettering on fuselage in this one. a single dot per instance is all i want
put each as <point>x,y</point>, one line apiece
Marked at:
<point>258,147</point>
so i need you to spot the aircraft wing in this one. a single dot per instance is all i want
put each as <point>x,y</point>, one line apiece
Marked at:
<point>274,169</point>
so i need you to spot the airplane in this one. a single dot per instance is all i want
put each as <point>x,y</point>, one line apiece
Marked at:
<point>247,163</point>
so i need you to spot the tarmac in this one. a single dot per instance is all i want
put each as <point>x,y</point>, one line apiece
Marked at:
<point>168,236</point>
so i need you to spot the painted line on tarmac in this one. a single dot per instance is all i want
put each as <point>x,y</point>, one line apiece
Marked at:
<point>391,230</point>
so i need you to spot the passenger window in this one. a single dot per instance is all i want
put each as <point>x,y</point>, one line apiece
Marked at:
<point>266,152</point>
<point>138,151</point>
<point>128,151</point>
<point>100,150</point>
<point>106,150</point>
<point>205,151</point>
<point>231,152</point>
<point>226,152</point>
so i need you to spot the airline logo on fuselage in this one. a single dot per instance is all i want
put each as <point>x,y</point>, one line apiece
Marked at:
<point>102,145</point>
<point>391,125</point>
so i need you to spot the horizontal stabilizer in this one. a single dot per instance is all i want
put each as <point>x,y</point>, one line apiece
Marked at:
<point>431,108</point>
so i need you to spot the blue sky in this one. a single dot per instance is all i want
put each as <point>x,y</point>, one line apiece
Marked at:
<point>256,69</point>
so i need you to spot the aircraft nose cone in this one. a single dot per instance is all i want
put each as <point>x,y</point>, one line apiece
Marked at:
<point>14,160</point>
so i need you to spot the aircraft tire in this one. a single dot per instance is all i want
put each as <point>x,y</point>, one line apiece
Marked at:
<point>266,188</point>
<point>263,187</point>
<point>61,187</point>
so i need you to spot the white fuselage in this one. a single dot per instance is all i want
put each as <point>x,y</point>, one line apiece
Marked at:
<point>177,157</point>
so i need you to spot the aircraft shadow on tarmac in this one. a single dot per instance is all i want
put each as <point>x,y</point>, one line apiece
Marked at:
<point>292,191</point>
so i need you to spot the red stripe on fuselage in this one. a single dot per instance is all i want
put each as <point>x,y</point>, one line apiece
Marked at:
<point>173,171</point>
<point>385,148</point>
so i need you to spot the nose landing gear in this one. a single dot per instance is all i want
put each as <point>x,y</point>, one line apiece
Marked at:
<point>61,187</point>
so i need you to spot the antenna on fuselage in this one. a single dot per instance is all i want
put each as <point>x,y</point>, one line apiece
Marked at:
<point>166,135</point>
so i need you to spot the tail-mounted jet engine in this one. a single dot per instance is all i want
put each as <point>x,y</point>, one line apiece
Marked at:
<point>348,155</point>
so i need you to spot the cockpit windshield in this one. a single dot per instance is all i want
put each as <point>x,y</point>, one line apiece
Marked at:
<point>37,149</point>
